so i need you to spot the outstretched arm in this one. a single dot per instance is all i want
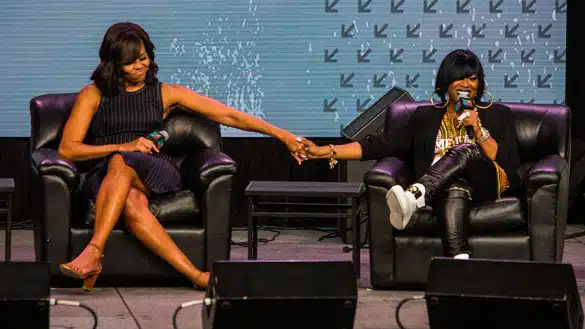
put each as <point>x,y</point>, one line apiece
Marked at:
<point>349,151</point>
<point>228,116</point>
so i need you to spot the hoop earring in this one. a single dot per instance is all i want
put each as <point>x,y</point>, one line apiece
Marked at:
<point>491,101</point>
<point>433,102</point>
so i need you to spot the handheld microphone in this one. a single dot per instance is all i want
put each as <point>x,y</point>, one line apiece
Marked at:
<point>158,137</point>
<point>464,103</point>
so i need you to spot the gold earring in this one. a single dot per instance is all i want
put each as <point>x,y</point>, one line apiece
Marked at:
<point>433,102</point>
<point>491,101</point>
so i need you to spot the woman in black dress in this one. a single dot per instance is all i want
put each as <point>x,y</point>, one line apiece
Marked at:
<point>461,155</point>
<point>124,103</point>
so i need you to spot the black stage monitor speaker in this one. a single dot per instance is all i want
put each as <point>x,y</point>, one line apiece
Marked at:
<point>24,295</point>
<point>502,294</point>
<point>281,294</point>
<point>371,121</point>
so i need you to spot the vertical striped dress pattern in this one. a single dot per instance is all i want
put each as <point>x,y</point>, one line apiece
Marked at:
<point>124,118</point>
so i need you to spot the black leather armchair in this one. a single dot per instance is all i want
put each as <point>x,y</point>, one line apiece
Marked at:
<point>197,218</point>
<point>527,225</point>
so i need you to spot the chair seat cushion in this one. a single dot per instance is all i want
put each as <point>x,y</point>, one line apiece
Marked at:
<point>502,215</point>
<point>173,208</point>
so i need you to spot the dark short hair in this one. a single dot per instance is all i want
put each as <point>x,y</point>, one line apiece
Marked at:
<point>457,65</point>
<point>121,45</point>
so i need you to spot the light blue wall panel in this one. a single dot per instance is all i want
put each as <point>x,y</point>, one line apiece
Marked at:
<point>287,60</point>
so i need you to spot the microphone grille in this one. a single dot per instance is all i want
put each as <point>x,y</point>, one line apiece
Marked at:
<point>164,134</point>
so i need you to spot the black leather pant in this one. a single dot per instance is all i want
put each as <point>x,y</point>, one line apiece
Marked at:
<point>462,174</point>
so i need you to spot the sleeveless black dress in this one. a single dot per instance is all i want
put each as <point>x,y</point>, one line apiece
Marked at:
<point>124,118</point>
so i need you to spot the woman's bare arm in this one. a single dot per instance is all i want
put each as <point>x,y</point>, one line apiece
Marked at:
<point>349,151</point>
<point>72,146</point>
<point>228,116</point>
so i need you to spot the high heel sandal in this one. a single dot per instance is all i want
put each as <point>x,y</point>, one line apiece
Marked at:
<point>89,278</point>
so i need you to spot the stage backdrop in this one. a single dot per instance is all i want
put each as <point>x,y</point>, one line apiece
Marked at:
<point>309,66</point>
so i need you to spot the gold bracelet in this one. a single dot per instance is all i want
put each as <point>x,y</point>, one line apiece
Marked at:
<point>332,154</point>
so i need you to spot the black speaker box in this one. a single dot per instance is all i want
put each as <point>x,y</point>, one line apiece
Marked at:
<point>281,294</point>
<point>24,295</point>
<point>502,294</point>
<point>371,121</point>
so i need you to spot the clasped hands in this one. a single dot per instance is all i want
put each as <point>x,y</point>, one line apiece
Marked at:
<point>302,149</point>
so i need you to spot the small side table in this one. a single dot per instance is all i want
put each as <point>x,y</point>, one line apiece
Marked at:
<point>353,190</point>
<point>7,189</point>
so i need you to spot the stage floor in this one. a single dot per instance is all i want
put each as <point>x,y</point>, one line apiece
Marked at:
<point>152,308</point>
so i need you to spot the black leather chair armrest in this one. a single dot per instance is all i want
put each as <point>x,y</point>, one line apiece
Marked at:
<point>385,173</point>
<point>58,180</point>
<point>546,187</point>
<point>388,172</point>
<point>201,168</point>
<point>209,173</point>
<point>544,172</point>
<point>49,162</point>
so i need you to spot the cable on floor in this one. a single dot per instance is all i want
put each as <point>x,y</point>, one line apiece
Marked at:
<point>128,308</point>
<point>54,302</point>
<point>260,240</point>
<point>400,304</point>
<point>207,301</point>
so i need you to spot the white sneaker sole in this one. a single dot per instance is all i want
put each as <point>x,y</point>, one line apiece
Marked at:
<point>396,209</point>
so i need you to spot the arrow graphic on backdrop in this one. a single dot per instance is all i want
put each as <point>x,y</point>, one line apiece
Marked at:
<point>379,32</point>
<point>559,56</point>
<point>527,8</point>
<point>410,83</point>
<point>530,101</point>
<point>329,56</point>
<point>428,57</point>
<point>462,6</point>
<point>378,81</point>
<point>396,6</point>
<point>542,82</point>
<point>429,7</point>
<point>543,31</point>
<point>527,58</point>
<point>557,102</point>
<point>509,83</point>
<point>362,57</point>
<point>363,6</point>
<point>560,7</point>
<point>495,7</point>
<point>476,31</point>
<point>347,33</point>
<point>444,31</point>
<point>493,57</point>
<point>330,6</point>
<point>344,82</point>
<point>395,55</point>
<point>509,32</point>
<point>411,31</point>
<point>328,107</point>
<point>361,106</point>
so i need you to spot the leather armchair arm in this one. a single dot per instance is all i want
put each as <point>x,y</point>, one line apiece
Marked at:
<point>209,174</point>
<point>49,162</point>
<point>201,168</point>
<point>385,173</point>
<point>388,172</point>
<point>544,172</point>
<point>57,179</point>
<point>546,188</point>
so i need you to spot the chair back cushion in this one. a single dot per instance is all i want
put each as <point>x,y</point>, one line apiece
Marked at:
<point>541,129</point>
<point>187,129</point>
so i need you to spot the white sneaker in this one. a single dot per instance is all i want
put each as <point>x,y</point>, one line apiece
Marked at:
<point>403,204</point>
<point>461,256</point>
